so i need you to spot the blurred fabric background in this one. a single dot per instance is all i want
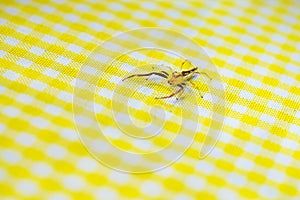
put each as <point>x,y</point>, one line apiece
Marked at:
<point>255,46</point>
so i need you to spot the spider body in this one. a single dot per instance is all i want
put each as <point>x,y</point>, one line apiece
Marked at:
<point>175,79</point>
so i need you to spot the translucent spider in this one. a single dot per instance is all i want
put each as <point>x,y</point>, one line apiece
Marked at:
<point>175,79</point>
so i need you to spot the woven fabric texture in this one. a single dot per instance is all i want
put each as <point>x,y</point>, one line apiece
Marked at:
<point>255,46</point>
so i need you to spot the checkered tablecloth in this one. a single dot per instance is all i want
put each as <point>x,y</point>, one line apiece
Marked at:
<point>255,46</point>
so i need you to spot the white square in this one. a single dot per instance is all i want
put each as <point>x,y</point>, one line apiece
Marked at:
<point>267,58</point>
<point>86,37</point>
<point>111,46</point>
<point>36,19</point>
<point>40,86</point>
<point>195,182</point>
<point>231,122</point>
<point>292,68</point>
<point>295,129</point>
<point>11,10</point>
<point>50,39</point>
<point>283,159</point>
<point>247,39</point>
<point>274,105</point>
<point>234,61</point>
<point>63,60</point>
<point>131,24</point>
<point>253,82</point>
<point>259,20</point>
<point>246,95</point>
<point>101,58</point>
<point>297,114</point>
<point>24,98</point>
<point>73,82</point>
<point>98,108</point>
<point>89,70</point>
<point>149,5</point>
<point>210,52</point>
<point>195,21</point>
<point>82,7</point>
<point>244,164</point>
<point>66,96</point>
<point>106,93</point>
<point>275,175</point>
<point>173,13</point>
<point>287,80</point>
<point>241,50</point>
<point>135,104</point>
<point>225,137</point>
<point>2,89</point>
<point>106,16</point>
<point>11,75</point>
<point>222,30</point>
<point>24,62</point>
<point>228,19</point>
<point>60,28</point>
<point>252,148</point>
<point>227,193</point>
<point>74,48</point>
<point>2,21</point>
<point>290,19</point>
<point>71,17</point>
<point>217,41</point>
<point>273,48</point>
<point>52,109</point>
<point>51,72</point>
<point>267,118</point>
<point>254,29</point>
<point>236,179</point>
<point>116,6</point>
<point>69,134</point>
<point>2,53</point>
<point>260,70</point>
<point>260,133</point>
<point>11,41</point>
<point>203,112</point>
<point>10,111</point>
<point>290,144</point>
<point>115,79</point>
<point>47,9</point>
<point>296,57</point>
<point>239,108</point>
<point>205,167</point>
<point>283,28</point>
<point>138,56</point>
<point>281,92</point>
<point>39,122</point>
<point>268,192</point>
<point>190,32</point>
<point>37,50</point>
<point>2,128</point>
<point>266,11</point>
<point>25,30</point>
<point>96,26</point>
<point>164,23</point>
<point>58,152</point>
<point>24,2</point>
<point>278,38</point>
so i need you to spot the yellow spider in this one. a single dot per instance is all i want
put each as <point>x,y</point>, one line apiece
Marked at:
<point>175,79</point>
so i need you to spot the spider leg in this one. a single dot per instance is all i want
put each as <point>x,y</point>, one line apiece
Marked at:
<point>171,95</point>
<point>186,60</point>
<point>162,74</point>
<point>194,85</point>
<point>202,73</point>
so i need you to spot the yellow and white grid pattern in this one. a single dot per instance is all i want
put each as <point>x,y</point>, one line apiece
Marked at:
<point>254,44</point>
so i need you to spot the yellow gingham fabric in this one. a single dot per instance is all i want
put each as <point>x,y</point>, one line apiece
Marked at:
<point>255,46</point>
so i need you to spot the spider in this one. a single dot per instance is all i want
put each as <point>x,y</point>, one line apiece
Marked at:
<point>175,79</point>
